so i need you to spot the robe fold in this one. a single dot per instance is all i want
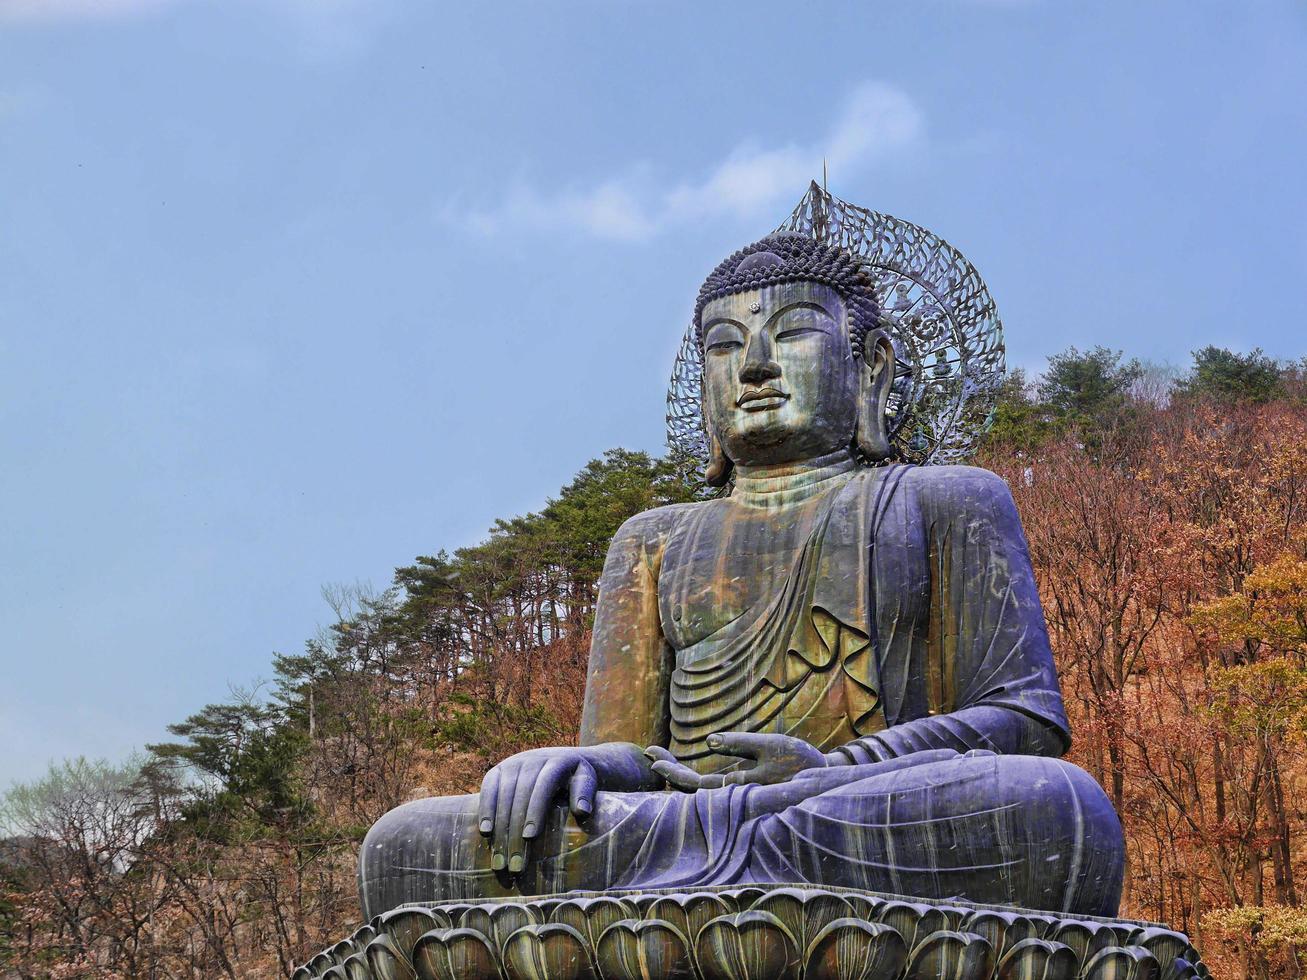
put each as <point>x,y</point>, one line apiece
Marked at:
<point>958,626</point>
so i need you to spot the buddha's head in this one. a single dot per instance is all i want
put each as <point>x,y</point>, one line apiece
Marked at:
<point>796,364</point>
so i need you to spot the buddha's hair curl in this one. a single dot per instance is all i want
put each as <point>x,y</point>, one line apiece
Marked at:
<point>790,256</point>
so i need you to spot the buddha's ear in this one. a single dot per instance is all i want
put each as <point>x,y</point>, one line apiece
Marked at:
<point>877,375</point>
<point>719,468</point>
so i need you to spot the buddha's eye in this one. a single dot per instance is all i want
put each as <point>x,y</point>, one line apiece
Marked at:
<point>796,332</point>
<point>723,337</point>
<point>724,345</point>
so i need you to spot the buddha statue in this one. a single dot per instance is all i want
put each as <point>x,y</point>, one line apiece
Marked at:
<point>837,674</point>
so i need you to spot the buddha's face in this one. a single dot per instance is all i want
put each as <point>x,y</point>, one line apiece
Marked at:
<point>780,382</point>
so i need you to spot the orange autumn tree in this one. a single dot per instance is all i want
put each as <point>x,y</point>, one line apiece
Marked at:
<point>1169,546</point>
<point>1262,705</point>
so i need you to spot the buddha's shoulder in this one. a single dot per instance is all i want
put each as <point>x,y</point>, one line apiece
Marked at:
<point>951,489</point>
<point>650,527</point>
<point>949,480</point>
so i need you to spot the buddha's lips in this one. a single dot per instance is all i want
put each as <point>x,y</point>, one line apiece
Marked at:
<point>759,394</point>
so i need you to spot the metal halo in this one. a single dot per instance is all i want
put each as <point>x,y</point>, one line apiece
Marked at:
<point>945,327</point>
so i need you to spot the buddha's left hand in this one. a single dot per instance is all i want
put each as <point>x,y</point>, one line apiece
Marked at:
<point>775,758</point>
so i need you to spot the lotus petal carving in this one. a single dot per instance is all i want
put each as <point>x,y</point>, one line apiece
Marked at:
<point>1167,946</point>
<point>501,920</point>
<point>747,931</point>
<point>405,926</point>
<point>456,954</point>
<point>690,912</point>
<point>1038,959</point>
<point>743,897</point>
<point>753,945</point>
<point>1045,924</point>
<point>804,911</point>
<point>549,952</point>
<point>647,949</point>
<point>356,967</point>
<point>913,921</point>
<point>949,955</point>
<point>452,911</point>
<point>852,949</point>
<point>1003,929</point>
<point>387,961</point>
<point>1122,963</point>
<point>1085,938</point>
<point>343,950</point>
<point>591,916</point>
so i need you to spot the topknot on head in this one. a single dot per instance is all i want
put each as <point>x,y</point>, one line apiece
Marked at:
<point>758,260</point>
<point>791,256</point>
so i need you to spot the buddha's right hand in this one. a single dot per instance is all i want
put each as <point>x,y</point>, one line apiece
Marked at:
<point>774,758</point>
<point>516,794</point>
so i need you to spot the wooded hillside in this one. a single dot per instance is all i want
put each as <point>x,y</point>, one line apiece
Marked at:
<point>1165,517</point>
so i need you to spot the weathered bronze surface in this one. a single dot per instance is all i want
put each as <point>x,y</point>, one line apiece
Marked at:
<point>838,674</point>
<point>742,933</point>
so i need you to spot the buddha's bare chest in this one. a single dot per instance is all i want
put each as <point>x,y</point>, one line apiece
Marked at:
<point>727,564</point>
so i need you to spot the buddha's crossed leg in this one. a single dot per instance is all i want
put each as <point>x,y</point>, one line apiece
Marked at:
<point>1018,830</point>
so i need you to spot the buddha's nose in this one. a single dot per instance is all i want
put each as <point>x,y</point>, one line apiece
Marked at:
<point>758,365</point>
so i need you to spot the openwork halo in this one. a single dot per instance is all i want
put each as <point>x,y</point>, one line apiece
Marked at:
<point>945,328</point>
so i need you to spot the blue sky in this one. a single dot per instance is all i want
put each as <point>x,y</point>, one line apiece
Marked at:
<point>294,290</point>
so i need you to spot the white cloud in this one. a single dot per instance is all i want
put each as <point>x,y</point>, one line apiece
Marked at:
<point>58,10</point>
<point>877,121</point>
<point>319,31</point>
<point>312,13</point>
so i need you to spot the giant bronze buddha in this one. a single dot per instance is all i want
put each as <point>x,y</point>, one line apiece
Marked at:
<point>836,674</point>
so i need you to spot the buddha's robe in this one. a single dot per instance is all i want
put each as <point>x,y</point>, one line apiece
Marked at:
<point>939,712</point>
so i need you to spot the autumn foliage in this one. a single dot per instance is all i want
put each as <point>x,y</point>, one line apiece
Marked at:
<point>1169,545</point>
<point>1165,523</point>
